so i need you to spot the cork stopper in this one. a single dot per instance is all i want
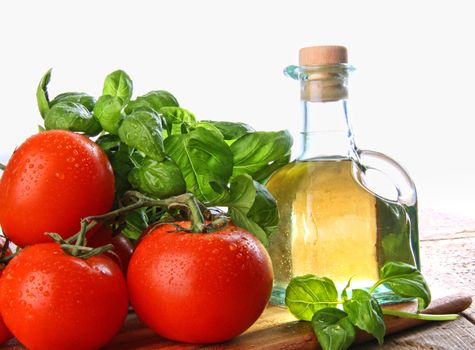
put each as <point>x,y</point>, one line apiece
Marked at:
<point>321,55</point>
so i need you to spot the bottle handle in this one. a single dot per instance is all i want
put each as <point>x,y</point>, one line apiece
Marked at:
<point>402,182</point>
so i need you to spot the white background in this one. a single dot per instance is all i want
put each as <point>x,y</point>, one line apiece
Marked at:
<point>411,96</point>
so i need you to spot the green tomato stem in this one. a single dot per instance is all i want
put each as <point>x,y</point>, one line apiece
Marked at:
<point>2,167</point>
<point>197,219</point>
<point>417,316</point>
<point>140,201</point>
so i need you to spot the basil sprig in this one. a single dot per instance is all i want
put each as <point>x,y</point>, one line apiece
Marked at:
<point>316,299</point>
<point>161,149</point>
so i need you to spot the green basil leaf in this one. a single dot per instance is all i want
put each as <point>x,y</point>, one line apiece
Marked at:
<point>203,159</point>
<point>264,174</point>
<point>405,280</point>
<point>177,119</point>
<point>120,159</point>
<point>344,293</point>
<point>155,100</point>
<point>136,222</point>
<point>230,130</point>
<point>242,195</point>
<point>264,210</point>
<point>138,104</point>
<point>161,179</point>
<point>42,94</point>
<point>209,127</point>
<point>108,111</point>
<point>256,151</point>
<point>119,84</point>
<point>72,116</point>
<point>78,97</point>
<point>333,329</point>
<point>142,130</point>
<point>364,312</point>
<point>305,295</point>
<point>108,142</point>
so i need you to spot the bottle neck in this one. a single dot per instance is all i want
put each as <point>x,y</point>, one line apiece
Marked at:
<point>326,132</point>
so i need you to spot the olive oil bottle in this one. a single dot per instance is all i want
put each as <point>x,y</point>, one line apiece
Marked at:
<point>344,212</point>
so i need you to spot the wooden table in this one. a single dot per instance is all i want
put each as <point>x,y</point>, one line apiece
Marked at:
<point>448,263</point>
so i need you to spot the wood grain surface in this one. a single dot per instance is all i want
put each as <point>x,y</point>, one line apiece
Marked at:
<point>448,263</point>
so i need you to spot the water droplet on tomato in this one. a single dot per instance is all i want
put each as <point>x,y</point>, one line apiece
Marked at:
<point>22,303</point>
<point>215,251</point>
<point>70,159</point>
<point>31,279</point>
<point>75,152</point>
<point>41,166</point>
<point>239,255</point>
<point>31,166</point>
<point>233,246</point>
<point>59,175</point>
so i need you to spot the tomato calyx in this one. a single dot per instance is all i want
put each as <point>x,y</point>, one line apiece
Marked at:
<point>2,167</point>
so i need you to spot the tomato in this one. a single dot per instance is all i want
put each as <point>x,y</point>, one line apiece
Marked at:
<point>5,334</point>
<point>54,179</point>
<point>51,300</point>
<point>199,288</point>
<point>123,248</point>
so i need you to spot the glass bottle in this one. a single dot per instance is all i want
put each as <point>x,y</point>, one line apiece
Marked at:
<point>344,211</point>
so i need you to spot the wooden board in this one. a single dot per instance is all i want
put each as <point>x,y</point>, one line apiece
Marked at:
<point>276,329</point>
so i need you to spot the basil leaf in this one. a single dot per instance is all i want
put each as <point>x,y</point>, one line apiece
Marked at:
<point>344,293</point>
<point>118,84</point>
<point>205,162</point>
<point>307,294</point>
<point>121,162</point>
<point>108,111</point>
<point>139,104</point>
<point>230,130</point>
<point>142,130</point>
<point>42,94</point>
<point>72,116</point>
<point>78,97</point>
<point>136,222</point>
<point>256,151</point>
<point>209,127</point>
<point>333,329</point>
<point>405,280</point>
<point>263,175</point>
<point>264,210</point>
<point>242,194</point>
<point>241,199</point>
<point>177,118</point>
<point>108,142</point>
<point>154,99</point>
<point>364,312</point>
<point>161,179</point>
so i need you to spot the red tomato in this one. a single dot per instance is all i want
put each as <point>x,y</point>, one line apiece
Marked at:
<point>5,334</point>
<point>51,300</point>
<point>123,248</point>
<point>199,288</point>
<point>54,179</point>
